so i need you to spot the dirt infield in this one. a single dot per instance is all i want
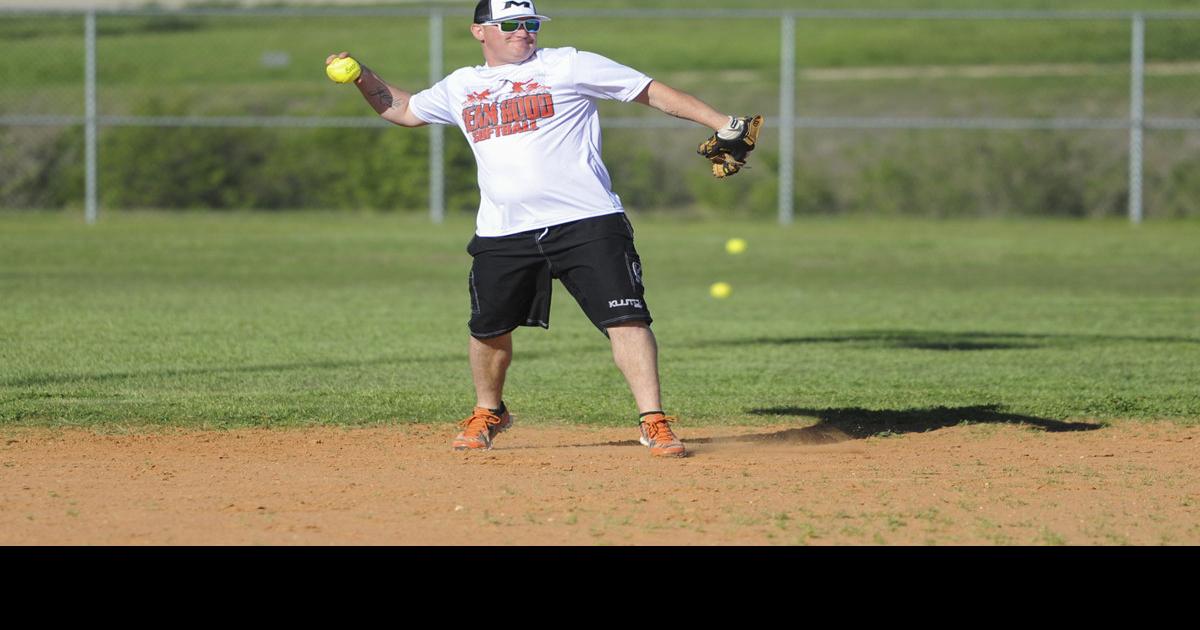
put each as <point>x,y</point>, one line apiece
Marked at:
<point>1128,483</point>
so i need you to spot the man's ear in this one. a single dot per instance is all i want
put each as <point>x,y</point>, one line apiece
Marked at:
<point>477,32</point>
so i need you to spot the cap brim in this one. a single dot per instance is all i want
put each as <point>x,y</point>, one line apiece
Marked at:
<point>517,17</point>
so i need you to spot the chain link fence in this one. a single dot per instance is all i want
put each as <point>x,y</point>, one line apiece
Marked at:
<point>904,112</point>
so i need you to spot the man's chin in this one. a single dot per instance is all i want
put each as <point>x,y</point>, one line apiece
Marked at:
<point>521,55</point>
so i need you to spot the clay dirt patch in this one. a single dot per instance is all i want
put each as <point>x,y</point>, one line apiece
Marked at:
<point>1129,483</point>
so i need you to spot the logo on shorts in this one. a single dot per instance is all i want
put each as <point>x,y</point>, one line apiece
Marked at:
<point>634,302</point>
<point>636,268</point>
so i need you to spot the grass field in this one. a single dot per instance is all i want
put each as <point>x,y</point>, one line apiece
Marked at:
<point>222,320</point>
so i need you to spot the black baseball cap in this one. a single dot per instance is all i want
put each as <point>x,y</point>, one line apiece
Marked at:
<point>498,10</point>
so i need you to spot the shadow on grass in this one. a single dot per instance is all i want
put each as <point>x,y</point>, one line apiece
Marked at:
<point>947,341</point>
<point>853,423</point>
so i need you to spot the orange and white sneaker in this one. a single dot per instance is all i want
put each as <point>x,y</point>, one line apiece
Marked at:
<point>480,429</point>
<point>657,434</point>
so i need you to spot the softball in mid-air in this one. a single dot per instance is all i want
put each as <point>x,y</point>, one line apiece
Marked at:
<point>720,290</point>
<point>735,245</point>
<point>343,70</point>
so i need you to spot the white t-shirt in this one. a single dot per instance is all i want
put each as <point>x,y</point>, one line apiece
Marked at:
<point>536,135</point>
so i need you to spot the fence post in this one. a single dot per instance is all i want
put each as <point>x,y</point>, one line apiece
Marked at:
<point>787,112</point>
<point>89,96</point>
<point>437,138</point>
<point>1136,117</point>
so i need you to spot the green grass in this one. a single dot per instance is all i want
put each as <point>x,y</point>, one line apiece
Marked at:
<point>203,320</point>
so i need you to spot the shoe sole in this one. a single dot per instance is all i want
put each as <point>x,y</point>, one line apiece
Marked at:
<point>646,443</point>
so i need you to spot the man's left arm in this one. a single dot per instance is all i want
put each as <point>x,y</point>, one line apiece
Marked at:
<point>679,104</point>
<point>734,139</point>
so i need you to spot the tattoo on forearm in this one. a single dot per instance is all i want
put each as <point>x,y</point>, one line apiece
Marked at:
<point>382,97</point>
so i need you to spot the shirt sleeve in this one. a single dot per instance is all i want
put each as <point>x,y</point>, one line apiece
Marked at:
<point>600,77</point>
<point>433,105</point>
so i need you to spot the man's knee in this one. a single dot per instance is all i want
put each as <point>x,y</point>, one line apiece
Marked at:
<point>633,329</point>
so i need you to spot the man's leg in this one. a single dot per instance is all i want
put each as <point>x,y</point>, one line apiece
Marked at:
<point>489,364</point>
<point>596,261</point>
<point>635,352</point>
<point>490,359</point>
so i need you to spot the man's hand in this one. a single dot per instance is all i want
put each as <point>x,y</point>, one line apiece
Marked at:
<point>343,55</point>
<point>389,102</point>
<point>342,68</point>
<point>729,147</point>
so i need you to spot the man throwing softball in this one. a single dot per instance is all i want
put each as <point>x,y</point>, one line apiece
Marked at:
<point>547,209</point>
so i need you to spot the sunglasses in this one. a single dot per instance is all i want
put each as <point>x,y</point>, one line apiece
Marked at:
<point>511,26</point>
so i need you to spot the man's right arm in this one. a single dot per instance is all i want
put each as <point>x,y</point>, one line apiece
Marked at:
<point>390,102</point>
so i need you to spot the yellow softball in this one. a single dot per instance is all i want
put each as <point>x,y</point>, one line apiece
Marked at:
<point>343,70</point>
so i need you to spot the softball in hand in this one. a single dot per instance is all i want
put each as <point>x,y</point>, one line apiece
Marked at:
<point>343,70</point>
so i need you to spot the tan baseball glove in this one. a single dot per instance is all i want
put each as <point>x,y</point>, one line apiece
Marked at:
<point>729,147</point>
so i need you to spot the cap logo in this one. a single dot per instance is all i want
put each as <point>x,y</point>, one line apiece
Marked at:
<point>491,11</point>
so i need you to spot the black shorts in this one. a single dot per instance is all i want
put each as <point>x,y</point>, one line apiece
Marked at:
<point>593,258</point>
